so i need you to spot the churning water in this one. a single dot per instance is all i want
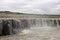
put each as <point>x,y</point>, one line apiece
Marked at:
<point>37,30</point>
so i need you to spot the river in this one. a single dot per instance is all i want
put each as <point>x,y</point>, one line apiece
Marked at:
<point>36,33</point>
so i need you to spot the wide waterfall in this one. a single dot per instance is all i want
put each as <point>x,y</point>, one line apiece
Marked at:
<point>8,27</point>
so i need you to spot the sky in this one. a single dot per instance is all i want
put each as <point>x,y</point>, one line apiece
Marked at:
<point>31,6</point>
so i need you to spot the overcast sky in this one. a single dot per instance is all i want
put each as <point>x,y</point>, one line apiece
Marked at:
<point>31,6</point>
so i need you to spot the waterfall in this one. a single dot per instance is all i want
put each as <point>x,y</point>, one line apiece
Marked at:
<point>8,27</point>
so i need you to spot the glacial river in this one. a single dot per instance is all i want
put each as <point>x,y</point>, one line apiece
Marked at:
<point>36,33</point>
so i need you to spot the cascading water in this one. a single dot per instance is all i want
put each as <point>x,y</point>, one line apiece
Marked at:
<point>9,27</point>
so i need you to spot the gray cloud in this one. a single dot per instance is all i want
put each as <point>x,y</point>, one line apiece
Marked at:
<point>31,6</point>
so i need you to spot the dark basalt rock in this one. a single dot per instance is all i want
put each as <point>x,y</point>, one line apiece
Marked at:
<point>9,27</point>
<point>1,27</point>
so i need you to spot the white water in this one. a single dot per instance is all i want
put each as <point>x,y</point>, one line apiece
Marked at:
<point>36,32</point>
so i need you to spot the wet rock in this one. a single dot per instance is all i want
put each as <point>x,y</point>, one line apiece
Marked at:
<point>7,27</point>
<point>16,26</point>
<point>1,27</point>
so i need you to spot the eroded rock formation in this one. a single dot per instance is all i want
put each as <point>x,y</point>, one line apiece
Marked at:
<point>8,27</point>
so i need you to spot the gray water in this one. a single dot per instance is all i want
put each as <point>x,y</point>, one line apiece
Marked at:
<point>39,30</point>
